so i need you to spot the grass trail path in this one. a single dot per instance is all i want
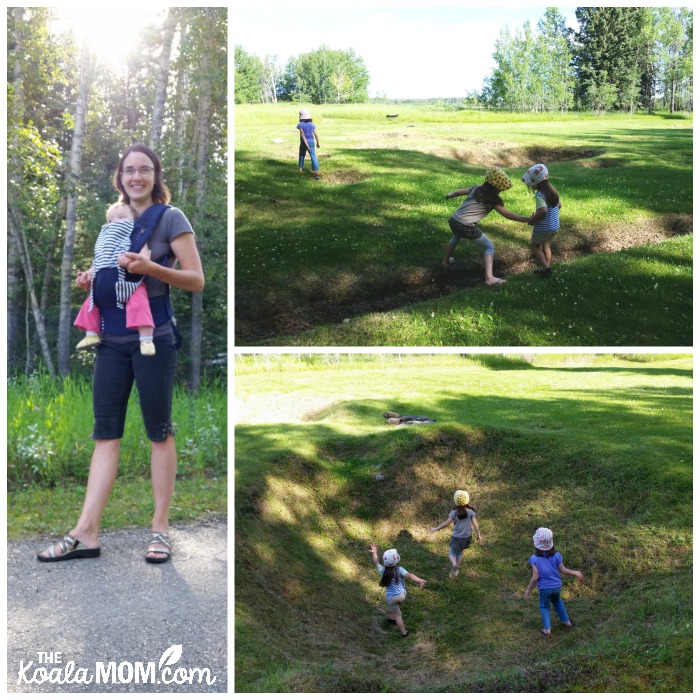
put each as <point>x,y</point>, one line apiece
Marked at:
<point>117,608</point>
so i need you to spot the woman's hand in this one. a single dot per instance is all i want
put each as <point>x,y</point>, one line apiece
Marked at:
<point>135,263</point>
<point>83,279</point>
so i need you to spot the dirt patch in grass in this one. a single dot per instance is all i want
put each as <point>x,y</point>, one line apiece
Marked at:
<point>312,299</point>
<point>489,153</point>
<point>343,177</point>
<point>604,163</point>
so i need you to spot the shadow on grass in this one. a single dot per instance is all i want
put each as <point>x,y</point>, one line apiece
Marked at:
<point>304,523</point>
<point>310,252</point>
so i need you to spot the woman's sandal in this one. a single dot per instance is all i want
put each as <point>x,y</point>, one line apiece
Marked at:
<point>158,544</point>
<point>544,633</point>
<point>70,548</point>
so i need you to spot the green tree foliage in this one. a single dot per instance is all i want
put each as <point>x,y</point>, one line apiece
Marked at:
<point>675,56</point>
<point>325,76</point>
<point>533,68</point>
<point>621,58</point>
<point>255,78</point>
<point>607,53</point>
<point>119,113</point>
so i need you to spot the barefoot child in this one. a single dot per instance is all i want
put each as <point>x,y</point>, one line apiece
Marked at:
<point>464,520</point>
<point>547,566</point>
<point>393,580</point>
<point>307,134</point>
<point>113,240</point>
<point>480,201</point>
<point>545,220</point>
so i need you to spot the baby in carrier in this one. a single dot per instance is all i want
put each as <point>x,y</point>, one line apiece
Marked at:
<point>113,240</point>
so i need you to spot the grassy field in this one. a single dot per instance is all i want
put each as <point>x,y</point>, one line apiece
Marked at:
<point>596,447</point>
<point>367,239</point>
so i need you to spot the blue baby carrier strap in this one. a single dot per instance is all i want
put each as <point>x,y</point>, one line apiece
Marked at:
<point>114,319</point>
<point>145,225</point>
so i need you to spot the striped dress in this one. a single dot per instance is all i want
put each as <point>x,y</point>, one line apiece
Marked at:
<point>114,239</point>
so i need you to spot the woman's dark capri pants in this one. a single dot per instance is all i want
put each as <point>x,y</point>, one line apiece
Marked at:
<point>117,366</point>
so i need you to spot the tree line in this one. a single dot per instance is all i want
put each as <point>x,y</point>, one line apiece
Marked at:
<point>622,58</point>
<point>69,118</point>
<point>321,76</point>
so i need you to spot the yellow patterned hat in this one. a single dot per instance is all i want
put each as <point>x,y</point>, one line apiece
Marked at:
<point>461,498</point>
<point>498,178</point>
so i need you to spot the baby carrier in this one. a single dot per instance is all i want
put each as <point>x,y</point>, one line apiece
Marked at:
<point>115,285</point>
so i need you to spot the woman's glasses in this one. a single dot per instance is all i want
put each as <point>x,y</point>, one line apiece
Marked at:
<point>145,170</point>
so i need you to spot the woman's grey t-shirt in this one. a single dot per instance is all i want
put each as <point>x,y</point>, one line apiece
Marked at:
<point>462,528</point>
<point>171,225</point>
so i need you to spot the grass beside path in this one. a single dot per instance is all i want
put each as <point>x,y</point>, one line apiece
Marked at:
<point>599,448</point>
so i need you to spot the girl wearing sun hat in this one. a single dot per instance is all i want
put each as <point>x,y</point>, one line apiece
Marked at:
<point>547,565</point>
<point>393,579</point>
<point>545,220</point>
<point>480,201</point>
<point>464,520</point>
<point>307,134</point>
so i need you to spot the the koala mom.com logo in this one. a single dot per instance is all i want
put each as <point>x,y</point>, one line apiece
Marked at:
<point>113,673</point>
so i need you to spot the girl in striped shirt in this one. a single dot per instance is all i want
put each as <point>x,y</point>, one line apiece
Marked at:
<point>393,579</point>
<point>545,220</point>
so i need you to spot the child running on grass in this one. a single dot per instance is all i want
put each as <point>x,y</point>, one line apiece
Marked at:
<point>393,580</point>
<point>545,220</point>
<point>307,134</point>
<point>547,566</point>
<point>480,201</point>
<point>464,520</point>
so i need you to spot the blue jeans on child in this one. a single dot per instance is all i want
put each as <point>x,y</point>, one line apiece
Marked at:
<point>551,596</point>
<point>312,153</point>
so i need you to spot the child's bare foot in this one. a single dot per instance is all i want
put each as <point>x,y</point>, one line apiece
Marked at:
<point>454,573</point>
<point>494,280</point>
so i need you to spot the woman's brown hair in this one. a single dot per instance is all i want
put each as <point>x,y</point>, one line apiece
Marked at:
<point>161,193</point>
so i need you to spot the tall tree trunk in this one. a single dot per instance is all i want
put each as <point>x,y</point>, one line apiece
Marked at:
<point>202,141</point>
<point>162,82</point>
<point>72,179</point>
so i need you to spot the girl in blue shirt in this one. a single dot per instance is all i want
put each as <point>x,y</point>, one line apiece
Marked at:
<point>545,220</point>
<point>547,566</point>
<point>393,577</point>
<point>307,134</point>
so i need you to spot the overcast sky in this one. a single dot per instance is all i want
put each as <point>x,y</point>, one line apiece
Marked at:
<point>410,50</point>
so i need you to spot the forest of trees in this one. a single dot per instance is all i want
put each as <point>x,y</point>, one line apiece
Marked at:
<point>69,118</point>
<point>621,58</point>
<point>322,76</point>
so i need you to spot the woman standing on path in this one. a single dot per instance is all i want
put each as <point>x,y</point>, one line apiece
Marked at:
<point>119,363</point>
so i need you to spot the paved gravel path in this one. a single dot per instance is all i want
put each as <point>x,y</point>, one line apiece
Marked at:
<point>152,623</point>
